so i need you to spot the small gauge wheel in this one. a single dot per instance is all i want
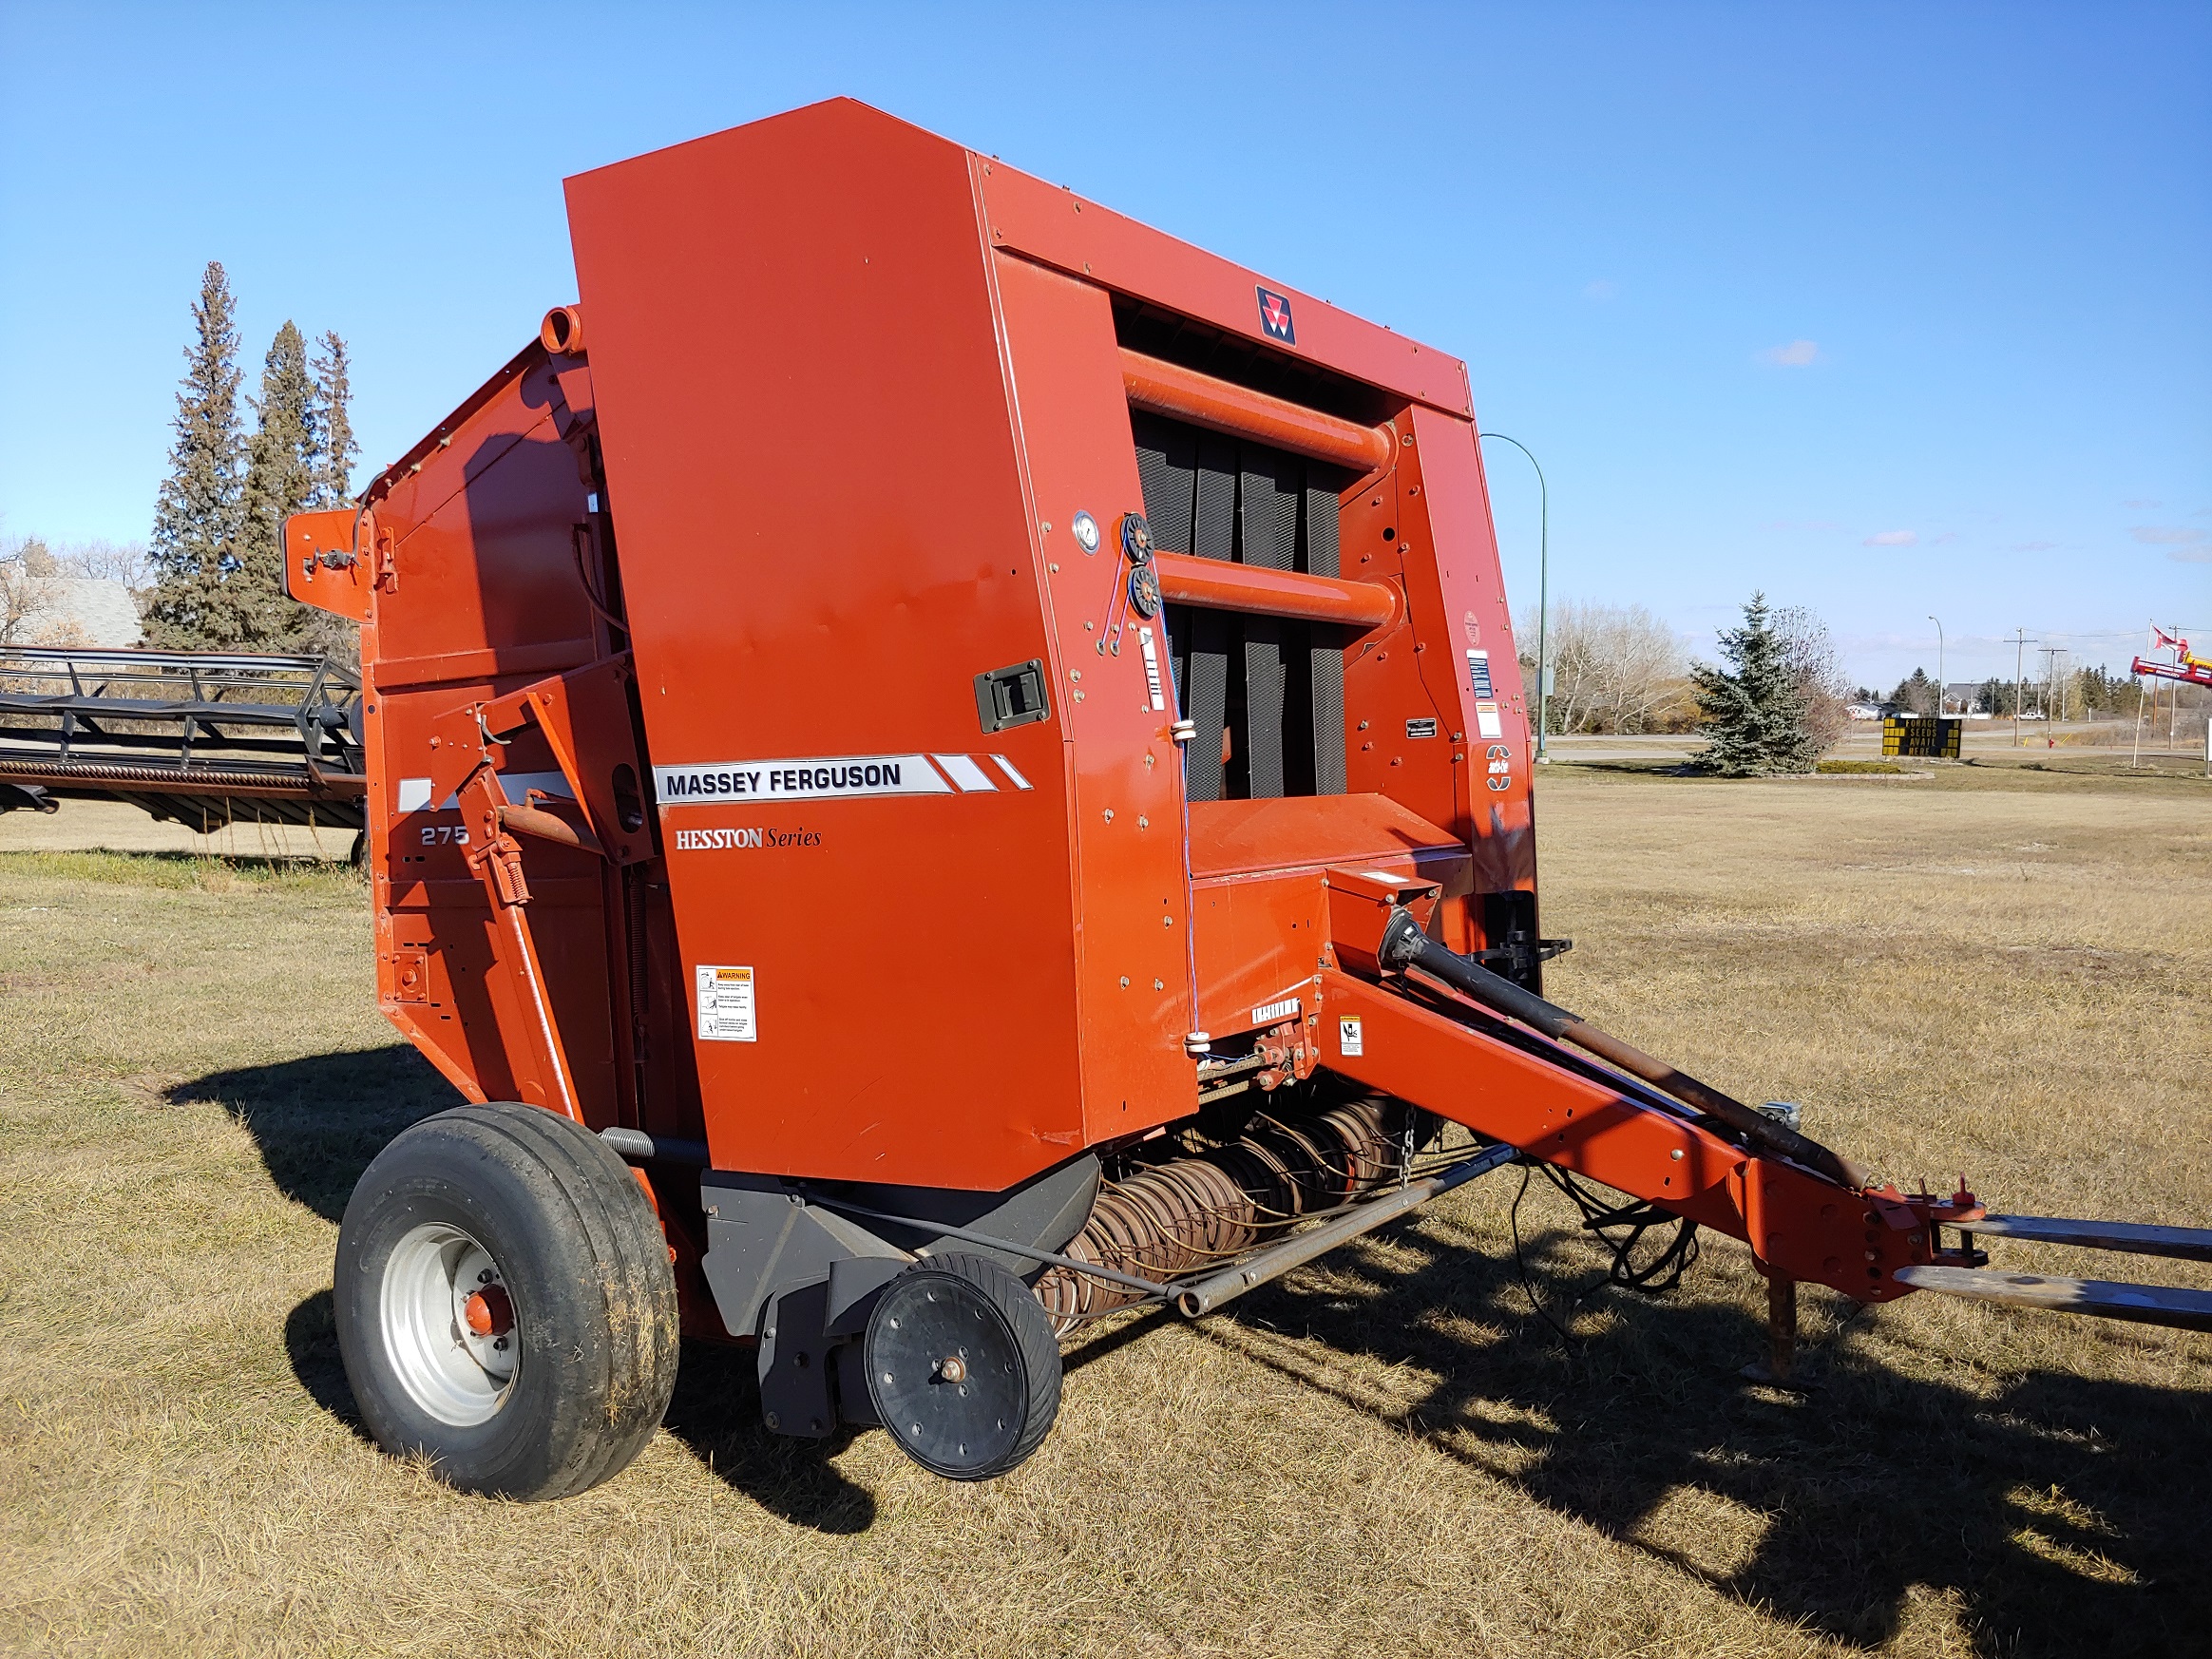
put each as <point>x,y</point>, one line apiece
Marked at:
<point>1144,591</point>
<point>962,1367</point>
<point>1136,543</point>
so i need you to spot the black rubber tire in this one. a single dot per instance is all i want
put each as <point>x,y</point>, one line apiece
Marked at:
<point>927,1312</point>
<point>585,1265</point>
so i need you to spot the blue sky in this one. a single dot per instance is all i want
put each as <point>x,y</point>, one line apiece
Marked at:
<point>1889,310</point>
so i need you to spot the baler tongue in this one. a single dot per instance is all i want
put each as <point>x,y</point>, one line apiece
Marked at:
<point>1806,1210</point>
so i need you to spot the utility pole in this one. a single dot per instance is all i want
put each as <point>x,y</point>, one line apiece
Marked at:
<point>2019,680</point>
<point>2051,655</point>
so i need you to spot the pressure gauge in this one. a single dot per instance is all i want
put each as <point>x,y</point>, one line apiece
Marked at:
<point>1086,528</point>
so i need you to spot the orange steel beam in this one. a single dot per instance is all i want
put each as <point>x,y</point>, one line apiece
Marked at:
<point>1799,1224</point>
<point>1219,406</point>
<point>1216,584</point>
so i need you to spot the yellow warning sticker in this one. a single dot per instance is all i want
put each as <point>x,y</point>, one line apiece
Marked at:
<point>726,1005</point>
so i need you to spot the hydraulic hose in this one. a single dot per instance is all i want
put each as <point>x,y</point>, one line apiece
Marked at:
<point>1404,945</point>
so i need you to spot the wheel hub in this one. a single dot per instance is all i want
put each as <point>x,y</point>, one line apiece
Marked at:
<point>448,1325</point>
<point>947,1375</point>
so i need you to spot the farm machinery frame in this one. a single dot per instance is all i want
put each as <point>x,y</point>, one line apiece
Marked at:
<point>941,763</point>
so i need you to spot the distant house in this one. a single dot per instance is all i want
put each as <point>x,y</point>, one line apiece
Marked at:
<point>1864,711</point>
<point>70,610</point>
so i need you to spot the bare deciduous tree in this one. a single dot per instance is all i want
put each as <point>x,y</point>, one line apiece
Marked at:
<point>1809,654</point>
<point>99,560</point>
<point>1614,668</point>
<point>20,603</point>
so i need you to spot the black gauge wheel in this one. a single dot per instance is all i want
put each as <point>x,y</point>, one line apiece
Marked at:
<point>962,1368</point>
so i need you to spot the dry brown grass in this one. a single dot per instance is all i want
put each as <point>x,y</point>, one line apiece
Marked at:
<point>2005,974</point>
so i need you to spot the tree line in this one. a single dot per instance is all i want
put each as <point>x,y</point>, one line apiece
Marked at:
<point>2080,693</point>
<point>217,557</point>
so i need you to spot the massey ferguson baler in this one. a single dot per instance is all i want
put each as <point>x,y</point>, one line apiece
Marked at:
<point>941,763</point>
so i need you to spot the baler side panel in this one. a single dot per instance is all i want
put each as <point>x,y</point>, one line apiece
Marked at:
<point>1415,724</point>
<point>824,539</point>
<point>483,598</point>
<point>1462,578</point>
<point>1131,911</point>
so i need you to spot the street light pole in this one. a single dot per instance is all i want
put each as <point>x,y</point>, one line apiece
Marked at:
<point>1941,699</point>
<point>1543,591</point>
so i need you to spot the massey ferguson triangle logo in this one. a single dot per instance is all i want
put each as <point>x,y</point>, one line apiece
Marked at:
<point>1276,316</point>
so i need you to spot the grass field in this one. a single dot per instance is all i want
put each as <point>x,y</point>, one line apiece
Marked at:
<point>1990,970</point>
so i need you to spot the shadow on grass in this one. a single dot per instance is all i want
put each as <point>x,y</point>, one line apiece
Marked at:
<point>1866,1486</point>
<point>1853,1494</point>
<point>319,1120</point>
<point>311,1338</point>
<point>717,1415</point>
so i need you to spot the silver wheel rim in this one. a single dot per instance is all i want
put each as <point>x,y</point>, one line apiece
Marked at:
<point>458,1375</point>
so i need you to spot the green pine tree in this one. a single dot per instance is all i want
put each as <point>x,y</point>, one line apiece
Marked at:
<point>1755,717</point>
<point>200,510</point>
<point>331,434</point>
<point>279,482</point>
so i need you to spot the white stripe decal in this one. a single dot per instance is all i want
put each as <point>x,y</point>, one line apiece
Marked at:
<point>963,770</point>
<point>1007,767</point>
<point>415,792</point>
<point>1152,670</point>
<point>839,777</point>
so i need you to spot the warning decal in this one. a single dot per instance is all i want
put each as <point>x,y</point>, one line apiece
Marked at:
<point>1349,1037</point>
<point>726,1005</point>
<point>1479,675</point>
<point>1486,720</point>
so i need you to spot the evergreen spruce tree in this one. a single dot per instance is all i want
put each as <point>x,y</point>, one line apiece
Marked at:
<point>1755,717</point>
<point>279,482</point>
<point>198,514</point>
<point>332,446</point>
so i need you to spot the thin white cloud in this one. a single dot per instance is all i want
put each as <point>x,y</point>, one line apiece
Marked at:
<point>1890,539</point>
<point>2169,535</point>
<point>1600,290</point>
<point>1947,536</point>
<point>2192,555</point>
<point>1797,355</point>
